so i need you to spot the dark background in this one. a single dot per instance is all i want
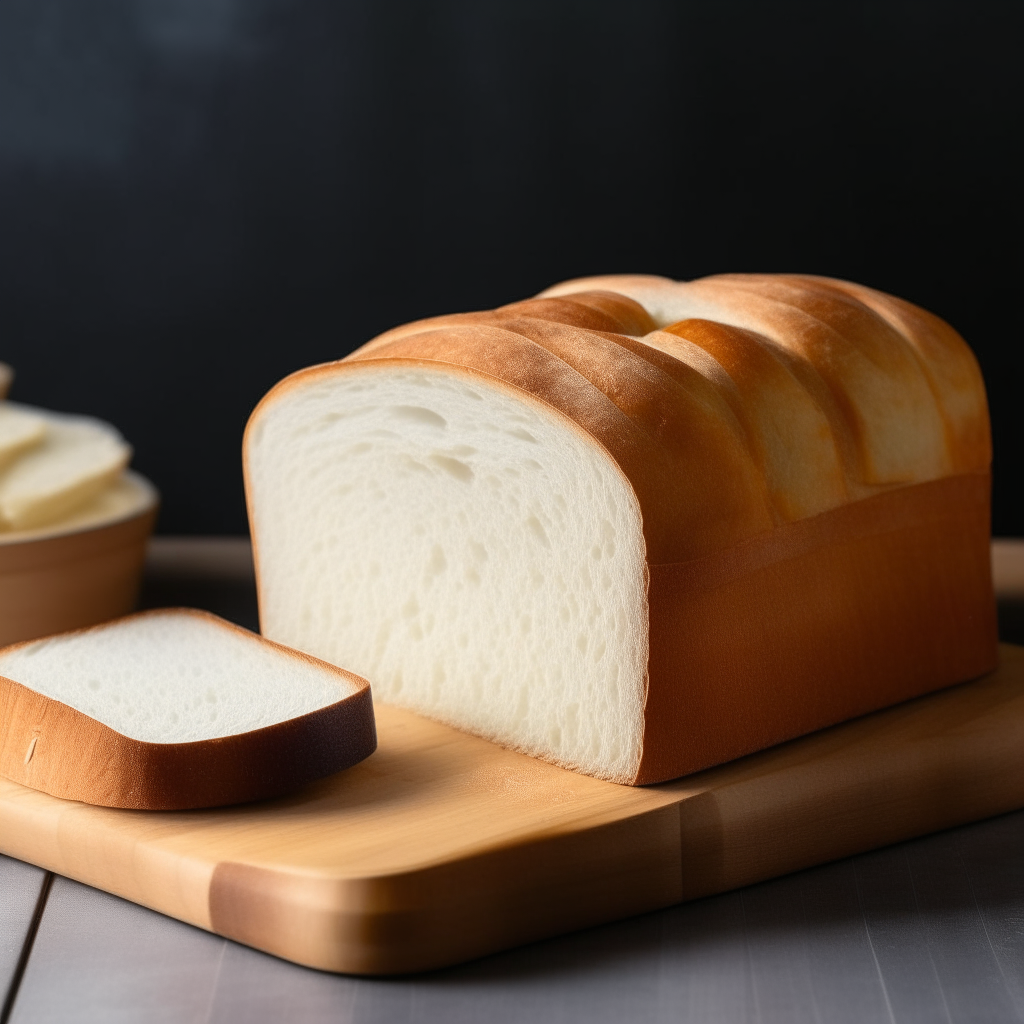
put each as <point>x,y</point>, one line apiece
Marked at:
<point>199,196</point>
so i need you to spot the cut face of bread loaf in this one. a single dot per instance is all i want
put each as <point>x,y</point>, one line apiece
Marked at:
<point>521,559</point>
<point>175,709</point>
<point>636,527</point>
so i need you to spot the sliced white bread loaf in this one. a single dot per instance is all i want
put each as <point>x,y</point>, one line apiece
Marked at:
<point>175,709</point>
<point>6,377</point>
<point>641,528</point>
<point>68,462</point>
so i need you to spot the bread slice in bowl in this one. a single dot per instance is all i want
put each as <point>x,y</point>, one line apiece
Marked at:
<point>175,709</point>
<point>72,460</point>
<point>635,526</point>
<point>21,430</point>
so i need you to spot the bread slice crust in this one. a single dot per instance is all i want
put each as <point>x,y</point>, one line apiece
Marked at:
<point>49,746</point>
<point>757,644</point>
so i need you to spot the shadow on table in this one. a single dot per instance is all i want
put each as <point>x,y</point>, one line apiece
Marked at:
<point>928,930</point>
<point>962,879</point>
<point>1011,620</point>
<point>923,931</point>
<point>234,601</point>
<point>212,573</point>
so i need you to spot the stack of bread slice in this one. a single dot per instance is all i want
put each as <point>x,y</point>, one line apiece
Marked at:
<point>52,465</point>
<point>635,526</point>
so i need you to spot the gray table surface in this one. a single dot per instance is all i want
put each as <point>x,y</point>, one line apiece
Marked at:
<point>929,930</point>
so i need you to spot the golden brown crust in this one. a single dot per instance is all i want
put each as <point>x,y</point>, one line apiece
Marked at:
<point>884,403</point>
<point>949,366</point>
<point>644,418</point>
<point>594,309</point>
<point>788,432</point>
<point>824,619</point>
<point>901,390</point>
<point>49,746</point>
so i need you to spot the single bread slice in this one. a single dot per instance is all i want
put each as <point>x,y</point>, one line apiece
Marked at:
<point>76,459</point>
<point>175,709</point>
<point>20,430</point>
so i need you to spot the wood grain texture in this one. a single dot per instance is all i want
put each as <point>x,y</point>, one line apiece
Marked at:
<point>442,847</point>
<point>20,888</point>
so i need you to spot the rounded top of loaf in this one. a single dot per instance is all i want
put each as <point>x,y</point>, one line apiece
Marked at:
<point>732,403</point>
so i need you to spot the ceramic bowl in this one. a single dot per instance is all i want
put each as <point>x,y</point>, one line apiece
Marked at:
<point>78,572</point>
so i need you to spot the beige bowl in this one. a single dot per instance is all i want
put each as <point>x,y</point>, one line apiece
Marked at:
<point>78,572</point>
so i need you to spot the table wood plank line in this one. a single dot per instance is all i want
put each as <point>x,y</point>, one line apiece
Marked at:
<point>992,889</point>
<point>99,958</point>
<point>21,888</point>
<point>926,930</point>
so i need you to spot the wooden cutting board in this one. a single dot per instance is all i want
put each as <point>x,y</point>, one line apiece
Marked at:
<point>442,847</point>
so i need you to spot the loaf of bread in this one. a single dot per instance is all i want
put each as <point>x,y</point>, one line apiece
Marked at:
<point>175,709</point>
<point>633,526</point>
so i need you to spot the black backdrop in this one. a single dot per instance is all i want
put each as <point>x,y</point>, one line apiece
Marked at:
<point>199,196</point>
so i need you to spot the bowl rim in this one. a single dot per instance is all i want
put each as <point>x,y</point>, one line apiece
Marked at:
<point>149,499</point>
